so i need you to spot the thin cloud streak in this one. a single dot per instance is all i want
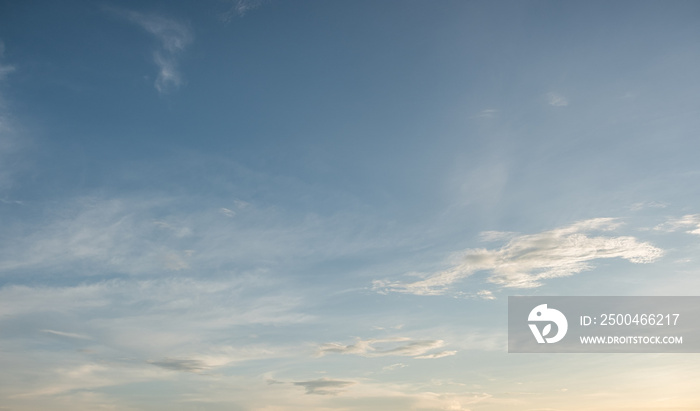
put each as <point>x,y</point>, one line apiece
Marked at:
<point>647,204</point>
<point>526,260</point>
<point>174,38</point>
<point>240,8</point>
<point>169,314</point>
<point>487,113</point>
<point>10,139</point>
<point>689,222</point>
<point>399,346</point>
<point>134,331</point>
<point>4,69</point>
<point>69,335</point>
<point>437,355</point>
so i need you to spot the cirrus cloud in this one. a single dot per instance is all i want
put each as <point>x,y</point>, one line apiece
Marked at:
<point>690,223</point>
<point>557,100</point>
<point>173,38</point>
<point>240,8</point>
<point>525,261</point>
<point>397,346</point>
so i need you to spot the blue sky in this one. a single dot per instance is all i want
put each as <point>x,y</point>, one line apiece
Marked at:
<point>311,205</point>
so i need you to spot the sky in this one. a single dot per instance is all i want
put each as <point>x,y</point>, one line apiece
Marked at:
<point>274,205</point>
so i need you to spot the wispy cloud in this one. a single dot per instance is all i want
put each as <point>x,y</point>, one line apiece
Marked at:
<point>526,260</point>
<point>324,386</point>
<point>170,314</point>
<point>393,367</point>
<point>227,212</point>
<point>240,8</point>
<point>10,145</point>
<point>133,331</point>
<point>479,295</point>
<point>486,295</point>
<point>108,233</point>
<point>53,378</point>
<point>10,142</point>
<point>69,335</point>
<point>436,355</point>
<point>173,38</point>
<point>689,222</point>
<point>151,235</point>
<point>647,204</point>
<point>557,100</point>
<point>487,113</point>
<point>398,346</point>
<point>4,69</point>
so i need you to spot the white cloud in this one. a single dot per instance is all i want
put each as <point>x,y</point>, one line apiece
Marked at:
<point>10,145</point>
<point>19,300</point>
<point>127,331</point>
<point>165,314</point>
<point>11,141</point>
<point>526,260</point>
<point>487,113</point>
<point>556,100</point>
<point>393,367</point>
<point>98,234</point>
<point>157,234</point>
<point>479,295</point>
<point>437,355</point>
<point>647,204</point>
<point>174,38</point>
<point>4,69</point>
<point>394,327</point>
<point>690,223</point>
<point>69,335</point>
<point>367,395</point>
<point>86,376</point>
<point>240,8</point>
<point>227,212</point>
<point>398,346</point>
<point>240,204</point>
